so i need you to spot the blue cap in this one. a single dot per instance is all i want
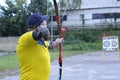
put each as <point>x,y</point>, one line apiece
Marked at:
<point>36,19</point>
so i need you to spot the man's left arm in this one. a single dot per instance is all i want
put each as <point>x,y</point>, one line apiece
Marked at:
<point>54,44</point>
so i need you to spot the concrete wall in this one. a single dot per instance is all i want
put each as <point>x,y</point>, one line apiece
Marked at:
<point>8,43</point>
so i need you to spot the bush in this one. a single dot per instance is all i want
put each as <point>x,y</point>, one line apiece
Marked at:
<point>86,35</point>
<point>87,39</point>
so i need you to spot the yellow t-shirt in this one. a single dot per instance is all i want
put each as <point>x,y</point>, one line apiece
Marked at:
<point>34,58</point>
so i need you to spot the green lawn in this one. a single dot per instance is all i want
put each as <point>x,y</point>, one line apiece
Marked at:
<point>8,62</point>
<point>65,53</point>
<point>11,62</point>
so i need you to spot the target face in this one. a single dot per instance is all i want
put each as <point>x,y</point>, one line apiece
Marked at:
<point>114,43</point>
<point>110,43</point>
<point>106,43</point>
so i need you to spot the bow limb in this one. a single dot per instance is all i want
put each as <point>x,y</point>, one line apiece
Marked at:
<point>60,35</point>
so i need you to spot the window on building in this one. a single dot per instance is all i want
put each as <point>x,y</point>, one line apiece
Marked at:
<point>64,18</point>
<point>105,15</point>
<point>98,16</point>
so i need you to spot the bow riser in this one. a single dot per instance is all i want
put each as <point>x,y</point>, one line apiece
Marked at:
<point>60,35</point>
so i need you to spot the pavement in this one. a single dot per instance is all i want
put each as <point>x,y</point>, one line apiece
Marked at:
<point>89,66</point>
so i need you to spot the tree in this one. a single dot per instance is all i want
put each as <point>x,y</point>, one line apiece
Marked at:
<point>77,4</point>
<point>62,4</point>
<point>49,7</point>
<point>73,4</point>
<point>39,6</point>
<point>13,18</point>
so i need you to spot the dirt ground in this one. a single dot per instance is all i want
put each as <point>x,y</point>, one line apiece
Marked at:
<point>89,66</point>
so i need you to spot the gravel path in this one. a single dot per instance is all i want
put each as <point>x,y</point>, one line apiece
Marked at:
<point>87,66</point>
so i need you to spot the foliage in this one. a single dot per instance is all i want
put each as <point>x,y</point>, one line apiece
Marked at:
<point>86,35</point>
<point>73,4</point>
<point>13,18</point>
<point>49,8</point>
<point>62,4</point>
<point>87,39</point>
<point>38,6</point>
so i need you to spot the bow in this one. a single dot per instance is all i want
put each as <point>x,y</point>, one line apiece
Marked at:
<point>60,35</point>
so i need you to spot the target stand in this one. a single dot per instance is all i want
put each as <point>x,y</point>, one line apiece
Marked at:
<point>110,44</point>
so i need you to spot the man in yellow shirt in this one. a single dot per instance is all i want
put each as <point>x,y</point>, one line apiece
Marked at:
<point>32,49</point>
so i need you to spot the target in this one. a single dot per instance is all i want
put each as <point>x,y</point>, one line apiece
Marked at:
<point>106,43</point>
<point>114,43</point>
<point>110,43</point>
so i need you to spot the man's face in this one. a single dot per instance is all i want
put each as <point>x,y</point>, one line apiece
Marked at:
<point>43,24</point>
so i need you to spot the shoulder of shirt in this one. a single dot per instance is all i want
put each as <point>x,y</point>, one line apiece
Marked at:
<point>27,33</point>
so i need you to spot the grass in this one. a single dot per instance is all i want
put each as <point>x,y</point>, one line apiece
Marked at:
<point>10,61</point>
<point>66,53</point>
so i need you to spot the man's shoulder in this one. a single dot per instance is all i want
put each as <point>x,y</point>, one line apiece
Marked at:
<point>26,34</point>
<point>26,39</point>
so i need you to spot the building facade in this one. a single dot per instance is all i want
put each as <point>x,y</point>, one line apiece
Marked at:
<point>92,13</point>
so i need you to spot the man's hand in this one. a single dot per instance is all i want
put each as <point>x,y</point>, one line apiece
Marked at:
<point>58,41</point>
<point>46,34</point>
<point>55,43</point>
<point>41,32</point>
